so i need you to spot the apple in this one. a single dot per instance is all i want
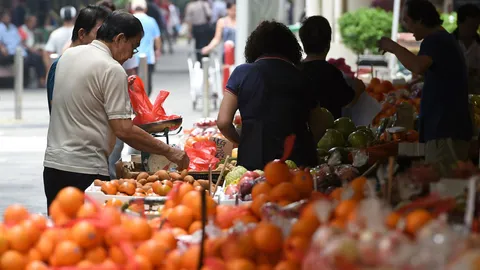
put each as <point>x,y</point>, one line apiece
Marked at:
<point>237,120</point>
<point>231,190</point>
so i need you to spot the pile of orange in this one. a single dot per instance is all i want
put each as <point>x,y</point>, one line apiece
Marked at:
<point>377,89</point>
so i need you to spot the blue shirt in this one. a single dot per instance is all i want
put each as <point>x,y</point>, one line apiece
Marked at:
<point>10,37</point>
<point>151,32</point>
<point>50,83</point>
<point>444,107</point>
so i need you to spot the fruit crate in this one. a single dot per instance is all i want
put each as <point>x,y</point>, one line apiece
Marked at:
<point>95,193</point>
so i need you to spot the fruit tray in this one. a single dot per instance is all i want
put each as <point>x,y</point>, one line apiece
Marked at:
<point>96,194</point>
<point>162,126</point>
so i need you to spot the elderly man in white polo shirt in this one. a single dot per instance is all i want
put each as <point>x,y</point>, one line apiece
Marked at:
<point>92,107</point>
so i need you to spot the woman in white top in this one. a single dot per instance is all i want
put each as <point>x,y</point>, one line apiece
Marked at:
<point>468,21</point>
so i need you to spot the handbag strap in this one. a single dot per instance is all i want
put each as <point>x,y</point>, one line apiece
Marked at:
<point>205,11</point>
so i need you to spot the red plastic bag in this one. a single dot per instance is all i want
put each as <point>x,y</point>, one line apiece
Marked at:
<point>202,155</point>
<point>145,112</point>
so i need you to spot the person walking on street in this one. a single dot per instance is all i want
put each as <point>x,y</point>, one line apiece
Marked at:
<point>166,32</point>
<point>225,29</point>
<point>151,42</point>
<point>197,15</point>
<point>92,107</point>
<point>445,124</point>
<point>219,10</point>
<point>58,38</point>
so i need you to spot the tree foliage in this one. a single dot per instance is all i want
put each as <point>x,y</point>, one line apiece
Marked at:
<point>361,29</point>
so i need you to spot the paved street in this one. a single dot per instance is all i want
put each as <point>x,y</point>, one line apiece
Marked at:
<point>22,143</point>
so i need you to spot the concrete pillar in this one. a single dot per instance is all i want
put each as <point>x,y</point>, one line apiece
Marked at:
<point>314,7</point>
<point>298,9</point>
<point>337,13</point>
<point>243,19</point>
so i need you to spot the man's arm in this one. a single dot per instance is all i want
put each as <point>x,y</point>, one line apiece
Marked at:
<point>417,64</point>
<point>226,113</point>
<point>141,140</point>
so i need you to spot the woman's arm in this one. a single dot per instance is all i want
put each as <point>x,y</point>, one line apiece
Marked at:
<point>225,117</point>
<point>217,38</point>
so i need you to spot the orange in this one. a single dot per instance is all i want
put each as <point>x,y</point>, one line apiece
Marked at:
<point>392,220</point>
<point>3,243</point>
<point>140,263</point>
<point>268,259</point>
<point>178,231</point>
<point>374,81</point>
<point>268,237</point>
<point>115,253</point>
<point>174,260</point>
<point>67,253</point>
<point>257,203</point>
<point>213,246</point>
<point>388,85</point>
<point>412,136</point>
<point>108,264</point>
<point>166,238</point>
<point>193,200</point>
<point>190,259</point>
<point>303,183</point>
<point>337,194</point>
<point>182,190</point>
<point>87,210</point>
<point>261,188</point>
<point>15,214</point>
<point>181,216</point>
<point>96,255</point>
<point>13,260</point>
<point>264,267</point>
<point>295,248</point>
<point>304,228</point>
<point>195,226</point>
<point>416,219</point>
<point>287,265</point>
<point>344,208</point>
<point>358,186</point>
<point>240,264</point>
<point>18,238</point>
<point>32,230</point>
<point>138,228</point>
<point>277,172</point>
<point>36,265</point>
<point>116,234</point>
<point>70,200</point>
<point>153,251</point>
<point>86,265</point>
<point>308,213</point>
<point>284,191</point>
<point>127,188</point>
<point>86,235</point>
<point>338,223</point>
<point>239,246</point>
<point>34,255</point>
<point>111,215</point>
<point>45,246</point>
<point>39,221</point>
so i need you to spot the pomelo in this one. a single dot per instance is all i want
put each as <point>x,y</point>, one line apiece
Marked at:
<point>345,125</point>
<point>320,120</point>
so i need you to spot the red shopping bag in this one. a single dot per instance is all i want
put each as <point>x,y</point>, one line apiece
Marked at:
<point>145,112</point>
<point>202,155</point>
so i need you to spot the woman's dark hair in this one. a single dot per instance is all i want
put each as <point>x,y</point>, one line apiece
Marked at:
<point>467,11</point>
<point>274,39</point>
<point>88,19</point>
<point>108,4</point>
<point>119,22</point>
<point>230,4</point>
<point>423,11</point>
<point>316,35</point>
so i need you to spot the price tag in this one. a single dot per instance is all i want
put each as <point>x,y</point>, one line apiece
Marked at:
<point>224,147</point>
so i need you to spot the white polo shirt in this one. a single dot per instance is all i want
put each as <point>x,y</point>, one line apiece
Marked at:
<point>90,89</point>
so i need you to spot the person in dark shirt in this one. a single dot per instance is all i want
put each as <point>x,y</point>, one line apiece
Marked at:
<point>331,89</point>
<point>273,97</point>
<point>445,123</point>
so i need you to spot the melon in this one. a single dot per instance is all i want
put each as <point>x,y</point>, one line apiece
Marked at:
<point>345,125</point>
<point>320,120</point>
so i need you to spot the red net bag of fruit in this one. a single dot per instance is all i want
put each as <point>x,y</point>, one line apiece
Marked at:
<point>202,155</point>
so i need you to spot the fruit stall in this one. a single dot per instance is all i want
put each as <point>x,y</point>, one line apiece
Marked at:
<point>356,210</point>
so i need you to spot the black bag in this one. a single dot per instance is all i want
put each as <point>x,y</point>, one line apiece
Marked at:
<point>208,28</point>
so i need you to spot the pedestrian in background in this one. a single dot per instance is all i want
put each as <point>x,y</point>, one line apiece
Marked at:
<point>151,42</point>
<point>198,15</point>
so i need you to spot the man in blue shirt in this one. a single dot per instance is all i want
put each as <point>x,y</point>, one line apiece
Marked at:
<point>445,122</point>
<point>151,43</point>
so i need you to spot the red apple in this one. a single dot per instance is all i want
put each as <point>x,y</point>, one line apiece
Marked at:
<point>231,190</point>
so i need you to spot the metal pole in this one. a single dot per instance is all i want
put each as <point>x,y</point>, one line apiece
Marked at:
<point>143,69</point>
<point>18,65</point>
<point>243,19</point>
<point>392,63</point>
<point>314,7</point>
<point>206,85</point>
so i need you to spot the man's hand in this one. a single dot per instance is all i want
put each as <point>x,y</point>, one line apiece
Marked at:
<point>178,157</point>
<point>385,44</point>
<point>3,50</point>
<point>158,53</point>
<point>205,50</point>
